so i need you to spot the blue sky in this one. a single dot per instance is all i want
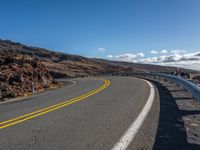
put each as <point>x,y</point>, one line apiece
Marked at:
<point>102,28</point>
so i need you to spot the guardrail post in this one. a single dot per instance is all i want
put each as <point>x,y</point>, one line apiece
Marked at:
<point>33,88</point>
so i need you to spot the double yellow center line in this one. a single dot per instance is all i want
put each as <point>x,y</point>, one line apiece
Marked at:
<point>46,110</point>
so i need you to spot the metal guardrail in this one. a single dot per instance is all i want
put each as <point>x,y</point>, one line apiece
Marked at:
<point>187,85</point>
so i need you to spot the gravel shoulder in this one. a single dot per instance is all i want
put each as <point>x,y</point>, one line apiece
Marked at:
<point>179,122</point>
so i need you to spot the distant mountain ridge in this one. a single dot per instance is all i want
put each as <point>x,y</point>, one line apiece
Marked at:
<point>40,53</point>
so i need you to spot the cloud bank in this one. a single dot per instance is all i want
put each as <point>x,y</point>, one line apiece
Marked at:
<point>128,57</point>
<point>176,57</point>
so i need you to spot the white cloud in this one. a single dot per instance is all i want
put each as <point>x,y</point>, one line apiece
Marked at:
<point>164,51</point>
<point>149,60</point>
<point>153,52</point>
<point>140,54</point>
<point>101,49</point>
<point>129,57</point>
<point>178,51</point>
<point>109,56</point>
<point>176,57</point>
<point>189,55</point>
<point>195,65</point>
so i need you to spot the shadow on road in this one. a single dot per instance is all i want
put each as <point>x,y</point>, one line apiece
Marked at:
<point>182,98</point>
<point>176,90</point>
<point>171,133</point>
<point>189,112</point>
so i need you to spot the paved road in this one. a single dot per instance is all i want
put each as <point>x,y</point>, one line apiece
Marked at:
<point>94,121</point>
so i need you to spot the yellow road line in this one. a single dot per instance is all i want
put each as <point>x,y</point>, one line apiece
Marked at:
<point>32,113</point>
<point>53,107</point>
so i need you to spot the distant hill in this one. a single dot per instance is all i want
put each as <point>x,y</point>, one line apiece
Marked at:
<point>66,65</point>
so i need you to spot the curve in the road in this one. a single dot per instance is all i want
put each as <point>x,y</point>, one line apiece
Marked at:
<point>46,110</point>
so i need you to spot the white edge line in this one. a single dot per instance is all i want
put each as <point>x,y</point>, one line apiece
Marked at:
<point>130,133</point>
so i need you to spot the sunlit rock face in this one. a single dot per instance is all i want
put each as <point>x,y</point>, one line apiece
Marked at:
<point>18,73</point>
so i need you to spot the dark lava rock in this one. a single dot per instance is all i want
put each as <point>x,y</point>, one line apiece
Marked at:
<point>18,72</point>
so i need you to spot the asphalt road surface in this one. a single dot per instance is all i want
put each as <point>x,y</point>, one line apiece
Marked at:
<point>91,114</point>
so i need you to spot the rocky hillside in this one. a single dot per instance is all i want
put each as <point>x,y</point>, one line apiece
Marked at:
<point>18,72</point>
<point>65,65</point>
